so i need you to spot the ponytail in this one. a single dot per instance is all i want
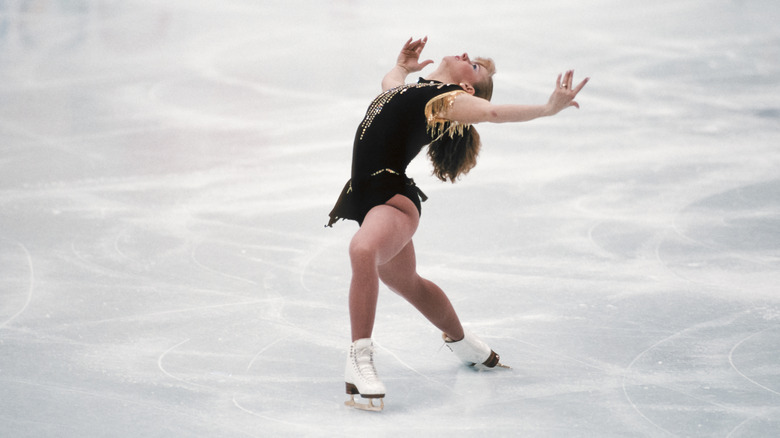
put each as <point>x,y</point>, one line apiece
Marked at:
<point>454,155</point>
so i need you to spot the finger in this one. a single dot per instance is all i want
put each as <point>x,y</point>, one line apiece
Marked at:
<point>558,81</point>
<point>422,44</point>
<point>565,80</point>
<point>426,63</point>
<point>580,85</point>
<point>574,104</point>
<point>569,77</point>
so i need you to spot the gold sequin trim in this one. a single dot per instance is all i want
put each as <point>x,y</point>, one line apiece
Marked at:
<point>378,172</point>
<point>385,170</point>
<point>437,125</point>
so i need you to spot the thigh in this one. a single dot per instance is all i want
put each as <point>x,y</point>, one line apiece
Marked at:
<point>387,228</point>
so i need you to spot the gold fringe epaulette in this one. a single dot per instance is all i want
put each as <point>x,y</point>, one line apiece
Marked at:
<point>437,125</point>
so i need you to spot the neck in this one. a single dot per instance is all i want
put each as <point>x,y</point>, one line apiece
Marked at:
<point>441,76</point>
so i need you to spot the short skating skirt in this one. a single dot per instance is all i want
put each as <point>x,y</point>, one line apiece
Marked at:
<point>360,196</point>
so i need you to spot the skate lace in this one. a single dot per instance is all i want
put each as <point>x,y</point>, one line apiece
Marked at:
<point>365,364</point>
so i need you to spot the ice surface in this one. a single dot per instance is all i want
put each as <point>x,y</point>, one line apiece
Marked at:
<point>167,169</point>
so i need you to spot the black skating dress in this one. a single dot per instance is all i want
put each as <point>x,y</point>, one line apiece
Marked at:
<point>397,125</point>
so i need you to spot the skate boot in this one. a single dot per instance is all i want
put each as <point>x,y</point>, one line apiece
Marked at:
<point>473,351</point>
<point>361,378</point>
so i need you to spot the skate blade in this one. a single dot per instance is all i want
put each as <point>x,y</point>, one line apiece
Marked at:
<point>370,406</point>
<point>481,367</point>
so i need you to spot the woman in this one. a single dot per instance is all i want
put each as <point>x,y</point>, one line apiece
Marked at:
<point>438,110</point>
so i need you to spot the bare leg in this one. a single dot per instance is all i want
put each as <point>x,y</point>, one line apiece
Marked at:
<point>386,230</point>
<point>400,274</point>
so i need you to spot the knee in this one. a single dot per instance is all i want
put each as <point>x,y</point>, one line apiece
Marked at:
<point>361,253</point>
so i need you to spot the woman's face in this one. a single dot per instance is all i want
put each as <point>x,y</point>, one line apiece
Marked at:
<point>462,69</point>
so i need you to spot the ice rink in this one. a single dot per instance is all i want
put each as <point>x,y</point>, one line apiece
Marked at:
<point>167,168</point>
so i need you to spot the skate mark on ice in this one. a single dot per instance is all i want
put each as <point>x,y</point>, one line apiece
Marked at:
<point>296,425</point>
<point>160,366</point>
<point>414,370</point>
<point>200,265</point>
<point>718,248</point>
<point>395,356</point>
<point>264,349</point>
<point>94,266</point>
<point>564,356</point>
<point>742,424</point>
<point>695,327</point>
<point>30,287</point>
<point>734,366</point>
<point>724,220</point>
<point>141,316</point>
<point>606,252</point>
<point>122,233</point>
<point>212,68</point>
<point>52,388</point>
<point>666,265</point>
<point>307,263</point>
<point>630,366</point>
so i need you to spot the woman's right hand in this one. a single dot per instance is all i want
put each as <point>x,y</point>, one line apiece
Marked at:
<point>409,58</point>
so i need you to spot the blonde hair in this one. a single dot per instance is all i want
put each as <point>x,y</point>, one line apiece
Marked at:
<point>484,88</point>
<point>455,154</point>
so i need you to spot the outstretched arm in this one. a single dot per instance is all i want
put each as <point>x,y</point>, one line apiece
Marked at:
<point>408,62</point>
<point>470,109</point>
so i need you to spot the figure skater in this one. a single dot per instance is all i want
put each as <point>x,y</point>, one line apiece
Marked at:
<point>437,111</point>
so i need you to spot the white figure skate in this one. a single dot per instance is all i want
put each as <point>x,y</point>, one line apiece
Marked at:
<point>361,377</point>
<point>473,351</point>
